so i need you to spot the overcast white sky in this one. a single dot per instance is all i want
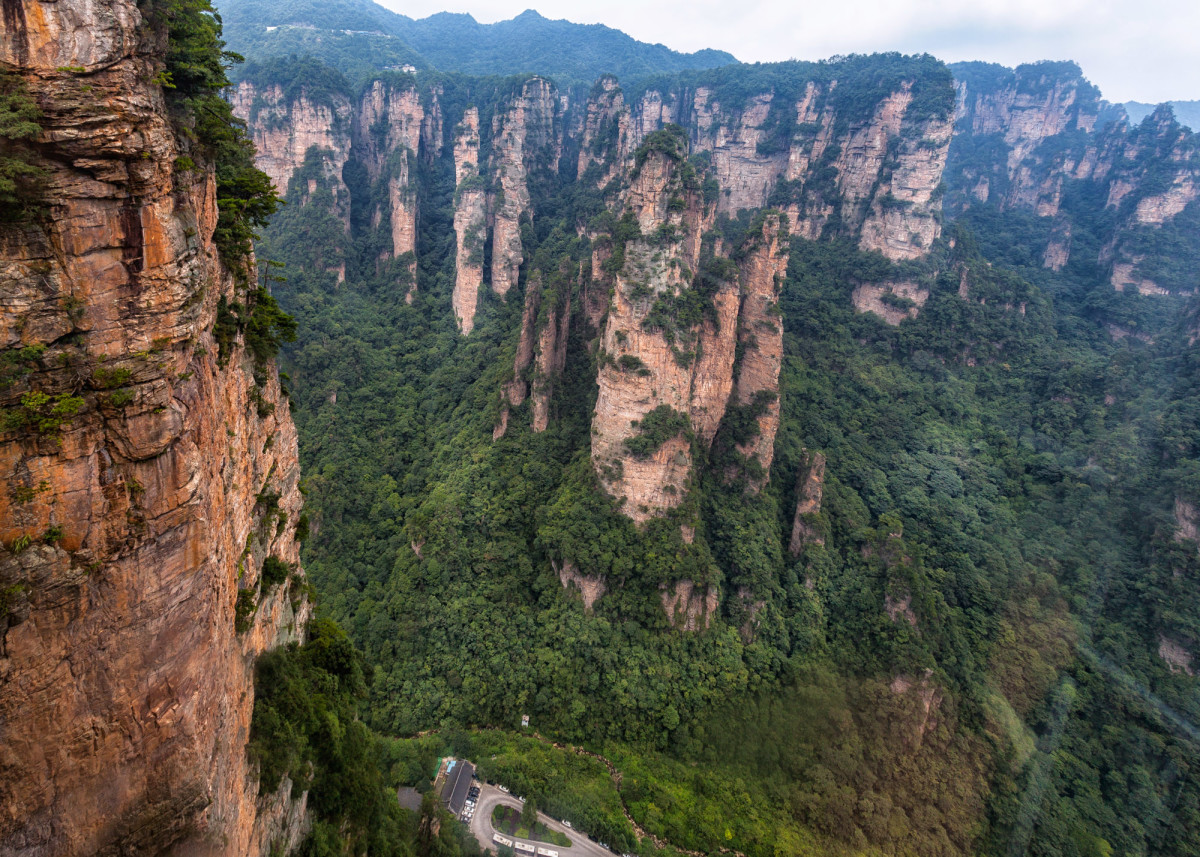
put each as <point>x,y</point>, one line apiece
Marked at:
<point>1143,50</point>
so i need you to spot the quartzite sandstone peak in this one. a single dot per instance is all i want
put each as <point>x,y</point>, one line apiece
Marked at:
<point>1040,139</point>
<point>125,690</point>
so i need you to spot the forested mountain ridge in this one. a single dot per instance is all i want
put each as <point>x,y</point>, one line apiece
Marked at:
<point>359,37</point>
<point>944,611</point>
<point>1105,195</point>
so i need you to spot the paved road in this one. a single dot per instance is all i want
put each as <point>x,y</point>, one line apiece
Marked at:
<point>481,825</point>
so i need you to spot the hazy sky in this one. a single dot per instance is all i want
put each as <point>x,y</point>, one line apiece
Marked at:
<point>1143,50</point>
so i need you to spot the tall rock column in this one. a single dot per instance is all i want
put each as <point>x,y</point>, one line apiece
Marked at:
<point>143,481</point>
<point>470,221</point>
<point>390,129</point>
<point>521,136</point>
<point>642,423</point>
<point>760,336</point>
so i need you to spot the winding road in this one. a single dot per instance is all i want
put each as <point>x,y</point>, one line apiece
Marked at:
<point>491,797</point>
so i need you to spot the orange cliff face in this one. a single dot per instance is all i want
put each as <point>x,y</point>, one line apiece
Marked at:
<point>125,690</point>
<point>648,365</point>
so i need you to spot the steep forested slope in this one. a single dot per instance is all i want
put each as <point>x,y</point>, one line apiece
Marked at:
<point>945,611</point>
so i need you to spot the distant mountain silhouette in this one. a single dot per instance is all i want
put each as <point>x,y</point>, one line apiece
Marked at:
<point>359,37</point>
<point>1186,112</point>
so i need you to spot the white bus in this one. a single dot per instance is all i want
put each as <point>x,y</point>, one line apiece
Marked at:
<point>547,852</point>
<point>502,840</point>
<point>524,848</point>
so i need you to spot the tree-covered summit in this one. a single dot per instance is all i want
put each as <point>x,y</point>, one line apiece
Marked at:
<point>359,37</point>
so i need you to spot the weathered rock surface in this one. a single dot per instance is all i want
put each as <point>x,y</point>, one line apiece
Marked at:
<point>760,336</point>
<point>521,135</point>
<point>590,586</point>
<point>640,371</point>
<point>1023,137</point>
<point>470,221</point>
<point>886,170</point>
<point>125,690</point>
<point>284,130</point>
<point>689,607</point>
<point>1178,658</point>
<point>926,697</point>
<point>891,301</point>
<point>391,130</point>
<point>810,486</point>
<point>651,365</point>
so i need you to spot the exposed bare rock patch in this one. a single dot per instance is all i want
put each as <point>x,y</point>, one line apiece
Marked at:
<point>810,482</point>
<point>1177,657</point>
<point>689,607</point>
<point>892,301</point>
<point>590,586</point>
<point>899,608</point>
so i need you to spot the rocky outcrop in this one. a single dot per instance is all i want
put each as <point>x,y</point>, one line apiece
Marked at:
<point>650,368</point>
<point>523,139</point>
<point>926,698</point>
<point>1187,518</point>
<point>665,383</point>
<point>390,129</point>
<point>605,131</point>
<point>1024,138</point>
<point>134,519</point>
<point>1177,658</point>
<point>285,129</point>
<point>899,608</point>
<point>880,175</point>
<point>689,607</point>
<point>1058,251</point>
<point>590,586</point>
<point>760,339</point>
<point>810,485</point>
<point>470,221</point>
<point>514,392</point>
<point>891,301</point>
<point>903,218</point>
<point>551,354</point>
<point>1124,276</point>
<point>1025,108</point>
<point>541,346</point>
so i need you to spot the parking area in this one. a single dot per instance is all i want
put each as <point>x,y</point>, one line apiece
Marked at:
<point>468,810</point>
<point>485,801</point>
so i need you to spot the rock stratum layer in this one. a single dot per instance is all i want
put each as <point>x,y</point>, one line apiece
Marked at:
<point>132,520</point>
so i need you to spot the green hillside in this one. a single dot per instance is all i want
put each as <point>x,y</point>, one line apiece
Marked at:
<point>359,37</point>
